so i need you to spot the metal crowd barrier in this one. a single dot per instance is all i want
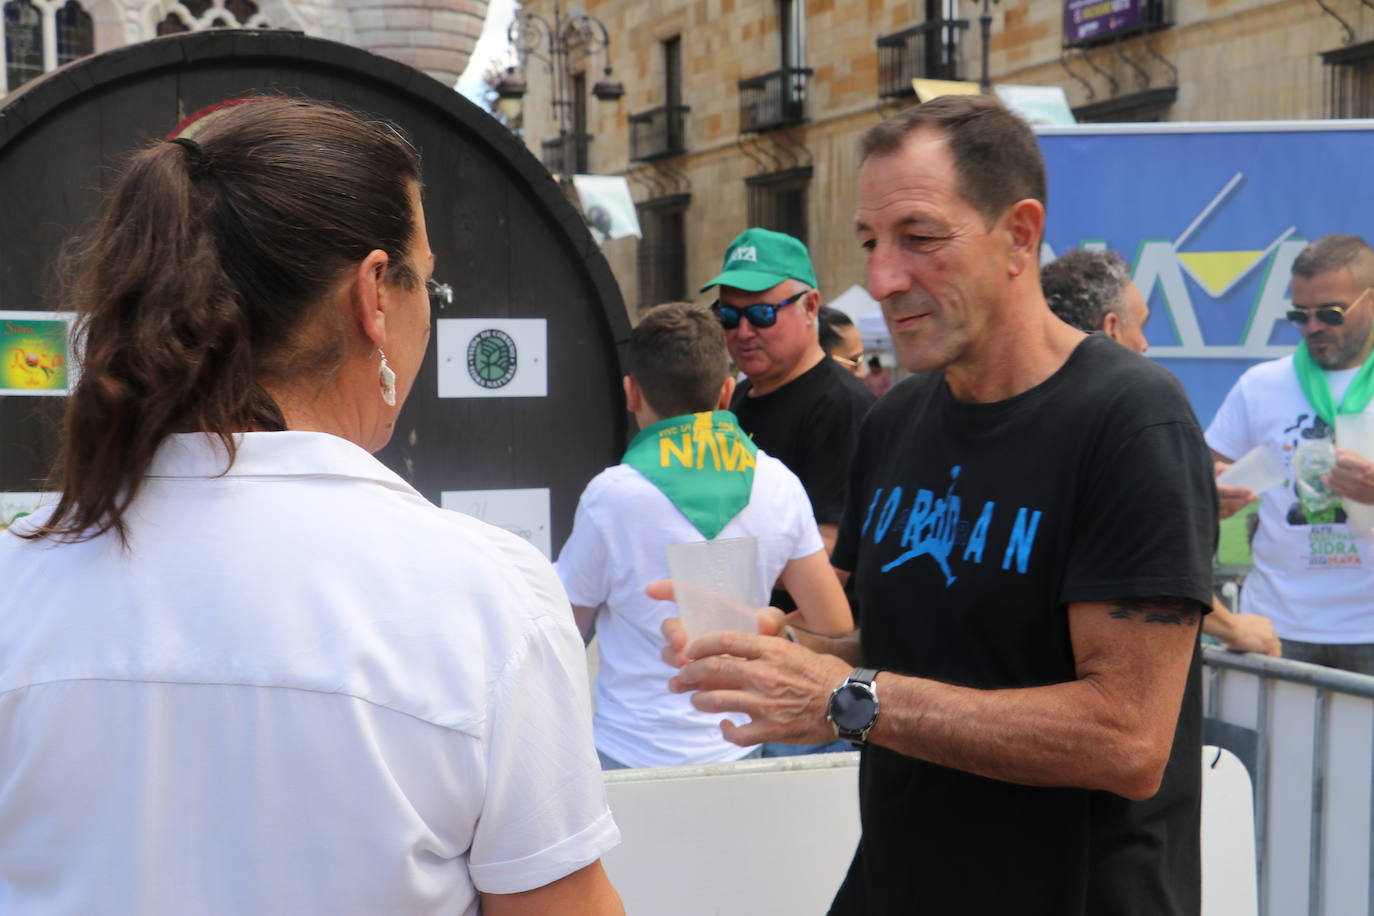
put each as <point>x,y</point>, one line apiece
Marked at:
<point>1306,734</point>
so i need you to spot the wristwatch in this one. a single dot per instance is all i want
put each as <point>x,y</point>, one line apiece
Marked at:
<point>854,706</point>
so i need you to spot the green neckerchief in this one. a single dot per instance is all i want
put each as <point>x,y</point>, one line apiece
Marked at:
<point>701,462</point>
<point>1312,378</point>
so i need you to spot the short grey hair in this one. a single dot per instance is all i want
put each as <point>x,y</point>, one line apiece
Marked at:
<point>1082,286</point>
<point>1333,252</point>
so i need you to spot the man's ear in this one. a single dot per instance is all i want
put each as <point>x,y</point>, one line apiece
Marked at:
<point>812,302</point>
<point>368,298</point>
<point>1025,226</point>
<point>1111,326</point>
<point>727,391</point>
<point>634,397</point>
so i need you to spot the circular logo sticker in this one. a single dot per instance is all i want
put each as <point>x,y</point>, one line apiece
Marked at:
<point>491,358</point>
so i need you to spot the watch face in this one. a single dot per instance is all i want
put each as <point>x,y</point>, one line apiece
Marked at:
<point>852,707</point>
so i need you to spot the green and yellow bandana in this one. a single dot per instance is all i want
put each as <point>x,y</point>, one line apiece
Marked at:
<point>702,462</point>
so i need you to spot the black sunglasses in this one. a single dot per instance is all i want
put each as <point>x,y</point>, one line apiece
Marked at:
<point>1330,313</point>
<point>440,294</point>
<point>760,314</point>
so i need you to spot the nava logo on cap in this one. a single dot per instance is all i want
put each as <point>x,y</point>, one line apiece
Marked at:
<point>745,253</point>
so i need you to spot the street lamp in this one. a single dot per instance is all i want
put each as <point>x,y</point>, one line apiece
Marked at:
<point>560,44</point>
<point>985,24</point>
<point>510,90</point>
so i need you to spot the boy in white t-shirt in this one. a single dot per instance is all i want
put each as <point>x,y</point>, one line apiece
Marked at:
<point>678,388</point>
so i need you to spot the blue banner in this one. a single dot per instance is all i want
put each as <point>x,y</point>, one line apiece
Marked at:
<point>1210,217</point>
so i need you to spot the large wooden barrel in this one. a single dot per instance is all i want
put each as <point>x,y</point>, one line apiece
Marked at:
<point>513,446</point>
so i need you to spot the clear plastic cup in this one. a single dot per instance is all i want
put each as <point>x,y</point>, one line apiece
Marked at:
<point>1355,433</point>
<point>1257,470</point>
<point>716,584</point>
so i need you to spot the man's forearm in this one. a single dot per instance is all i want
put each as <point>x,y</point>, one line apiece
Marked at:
<point>845,647</point>
<point>1241,632</point>
<point>1111,728</point>
<point>1037,736</point>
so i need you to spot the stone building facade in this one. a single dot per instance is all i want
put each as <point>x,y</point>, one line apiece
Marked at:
<point>741,112</point>
<point>436,36</point>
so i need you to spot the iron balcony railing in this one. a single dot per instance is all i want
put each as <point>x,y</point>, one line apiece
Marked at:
<point>566,155</point>
<point>773,100</point>
<point>927,51</point>
<point>658,132</point>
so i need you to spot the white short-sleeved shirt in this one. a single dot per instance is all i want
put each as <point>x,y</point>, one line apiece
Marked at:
<point>1314,580</point>
<point>302,689</point>
<point>623,527</point>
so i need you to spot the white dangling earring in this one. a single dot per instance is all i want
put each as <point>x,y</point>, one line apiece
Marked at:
<point>387,378</point>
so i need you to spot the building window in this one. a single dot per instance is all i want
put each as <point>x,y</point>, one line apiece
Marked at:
<point>75,33</point>
<point>23,44</point>
<point>661,132</point>
<point>927,51</point>
<point>1350,81</point>
<point>569,153</point>
<point>25,53</point>
<point>662,255</point>
<point>172,24</point>
<point>672,71</point>
<point>778,201</point>
<point>792,33</point>
<point>243,11</point>
<point>195,15</point>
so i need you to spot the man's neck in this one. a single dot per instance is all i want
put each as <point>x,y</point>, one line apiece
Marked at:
<point>1015,353</point>
<point>646,418</point>
<point>810,358</point>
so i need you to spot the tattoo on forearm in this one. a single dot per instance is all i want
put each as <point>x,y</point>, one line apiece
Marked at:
<point>1176,611</point>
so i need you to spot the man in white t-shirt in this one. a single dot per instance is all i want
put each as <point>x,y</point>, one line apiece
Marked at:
<point>1314,573</point>
<point>689,475</point>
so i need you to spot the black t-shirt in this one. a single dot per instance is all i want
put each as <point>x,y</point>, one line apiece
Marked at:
<point>810,424</point>
<point>970,528</point>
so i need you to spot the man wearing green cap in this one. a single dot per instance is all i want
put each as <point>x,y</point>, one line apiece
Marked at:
<point>1314,559</point>
<point>796,404</point>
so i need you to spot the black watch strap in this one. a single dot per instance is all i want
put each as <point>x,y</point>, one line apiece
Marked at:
<point>863,676</point>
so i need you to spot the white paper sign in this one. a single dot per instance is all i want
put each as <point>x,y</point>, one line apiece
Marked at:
<point>493,357</point>
<point>15,505</point>
<point>521,512</point>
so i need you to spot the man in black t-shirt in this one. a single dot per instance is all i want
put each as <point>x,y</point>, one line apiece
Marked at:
<point>796,404</point>
<point>1030,523</point>
<point>1092,291</point>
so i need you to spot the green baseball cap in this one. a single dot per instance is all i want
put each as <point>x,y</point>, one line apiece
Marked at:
<point>760,259</point>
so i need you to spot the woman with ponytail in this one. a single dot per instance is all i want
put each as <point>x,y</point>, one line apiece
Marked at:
<point>244,668</point>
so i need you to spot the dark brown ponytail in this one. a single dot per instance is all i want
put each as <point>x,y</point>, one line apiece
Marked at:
<point>209,260</point>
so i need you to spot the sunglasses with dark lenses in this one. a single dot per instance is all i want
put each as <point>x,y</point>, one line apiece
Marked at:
<point>1330,313</point>
<point>760,314</point>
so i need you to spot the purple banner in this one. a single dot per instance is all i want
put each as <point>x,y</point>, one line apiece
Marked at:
<point>1090,20</point>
